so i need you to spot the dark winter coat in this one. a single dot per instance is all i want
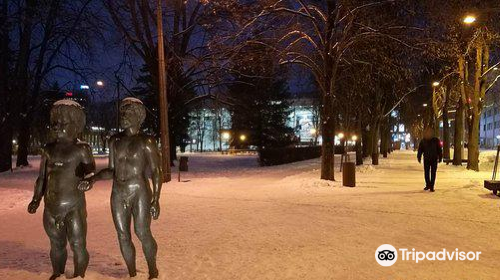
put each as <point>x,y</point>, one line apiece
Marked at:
<point>431,149</point>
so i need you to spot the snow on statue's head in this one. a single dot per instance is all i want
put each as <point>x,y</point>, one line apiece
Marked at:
<point>67,118</point>
<point>132,112</point>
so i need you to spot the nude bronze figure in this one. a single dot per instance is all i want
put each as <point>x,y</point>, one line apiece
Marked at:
<point>131,155</point>
<point>64,163</point>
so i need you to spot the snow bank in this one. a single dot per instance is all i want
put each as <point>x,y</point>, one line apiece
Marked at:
<point>487,160</point>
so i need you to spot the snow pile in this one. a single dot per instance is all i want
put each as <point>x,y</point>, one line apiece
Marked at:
<point>365,168</point>
<point>317,183</point>
<point>487,160</point>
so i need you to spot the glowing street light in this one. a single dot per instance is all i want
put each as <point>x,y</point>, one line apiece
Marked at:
<point>313,131</point>
<point>435,84</point>
<point>425,105</point>
<point>340,135</point>
<point>243,137</point>
<point>100,83</point>
<point>226,135</point>
<point>469,19</point>
<point>354,138</point>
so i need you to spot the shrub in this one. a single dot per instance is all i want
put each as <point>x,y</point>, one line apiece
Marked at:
<point>276,156</point>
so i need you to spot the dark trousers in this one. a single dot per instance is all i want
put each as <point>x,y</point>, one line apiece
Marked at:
<point>430,168</point>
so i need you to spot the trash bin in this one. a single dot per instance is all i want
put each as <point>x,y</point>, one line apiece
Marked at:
<point>183,164</point>
<point>349,174</point>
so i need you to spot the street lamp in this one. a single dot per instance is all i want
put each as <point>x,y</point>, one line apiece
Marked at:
<point>99,83</point>
<point>340,135</point>
<point>226,135</point>
<point>313,131</point>
<point>354,138</point>
<point>425,104</point>
<point>469,19</point>
<point>435,84</point>
<point>243,137</point>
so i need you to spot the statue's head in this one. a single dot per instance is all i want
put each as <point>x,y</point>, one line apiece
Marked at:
<point>67,119</point>
<point>132,113</point>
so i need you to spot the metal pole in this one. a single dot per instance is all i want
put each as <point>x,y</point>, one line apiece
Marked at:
<point>162,92</point>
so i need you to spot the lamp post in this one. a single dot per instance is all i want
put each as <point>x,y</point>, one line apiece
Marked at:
<point>435,107</point>
<point>163,103</point>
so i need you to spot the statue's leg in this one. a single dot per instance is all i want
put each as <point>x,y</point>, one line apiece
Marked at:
<point>76,223</point>
<point>121,217</point>
<point>142,227</point>
<point>58,254</point>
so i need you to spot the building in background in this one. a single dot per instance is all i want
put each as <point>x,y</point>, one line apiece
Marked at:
<point>489,125</point>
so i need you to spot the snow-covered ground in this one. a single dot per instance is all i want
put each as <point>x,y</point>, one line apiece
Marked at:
<point>228,218</point>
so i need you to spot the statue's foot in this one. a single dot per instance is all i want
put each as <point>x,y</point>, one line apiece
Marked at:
<point>153,274</point>
<point>78,275</point>
<point>54,276</point>
<point>132,273</point>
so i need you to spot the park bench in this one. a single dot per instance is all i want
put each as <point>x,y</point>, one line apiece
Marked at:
<point>493,185</point>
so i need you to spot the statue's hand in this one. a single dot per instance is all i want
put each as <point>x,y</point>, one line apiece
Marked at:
<point>85,185</point>
<point>33,206</point>
<point>155,209</point>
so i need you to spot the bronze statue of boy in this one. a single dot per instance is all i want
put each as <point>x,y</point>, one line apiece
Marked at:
<point>65,162</point>
<point>131,155</point>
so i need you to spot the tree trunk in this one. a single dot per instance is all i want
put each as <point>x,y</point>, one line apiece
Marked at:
<point>482,56</point>
<point>23,142</point>
<point>458,136</point>
<point>359,151</point>
<point>389,138</point>
<point>6,147</point>
<point>384,139</point>
<point>22,82</point>
<point>367,146</point>
<point>5,93</point>
<point>328,133</point>
<point>172,149</point>
<point>374,141</point>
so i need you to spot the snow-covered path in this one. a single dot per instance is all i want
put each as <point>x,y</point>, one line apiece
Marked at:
<point>230,219</point>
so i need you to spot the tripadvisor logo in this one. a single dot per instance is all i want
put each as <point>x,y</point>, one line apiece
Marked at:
<point>387,255</point>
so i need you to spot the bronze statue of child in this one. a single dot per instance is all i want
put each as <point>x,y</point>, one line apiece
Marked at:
<point>65,162</point>
<point>131,155</point>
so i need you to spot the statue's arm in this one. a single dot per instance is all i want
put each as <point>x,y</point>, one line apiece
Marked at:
<point>105,174</point>
<point>39,185</point>
<point>88,161</point>
<point>154,160</point>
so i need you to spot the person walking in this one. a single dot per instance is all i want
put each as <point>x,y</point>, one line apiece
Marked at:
<point>430,148</point>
